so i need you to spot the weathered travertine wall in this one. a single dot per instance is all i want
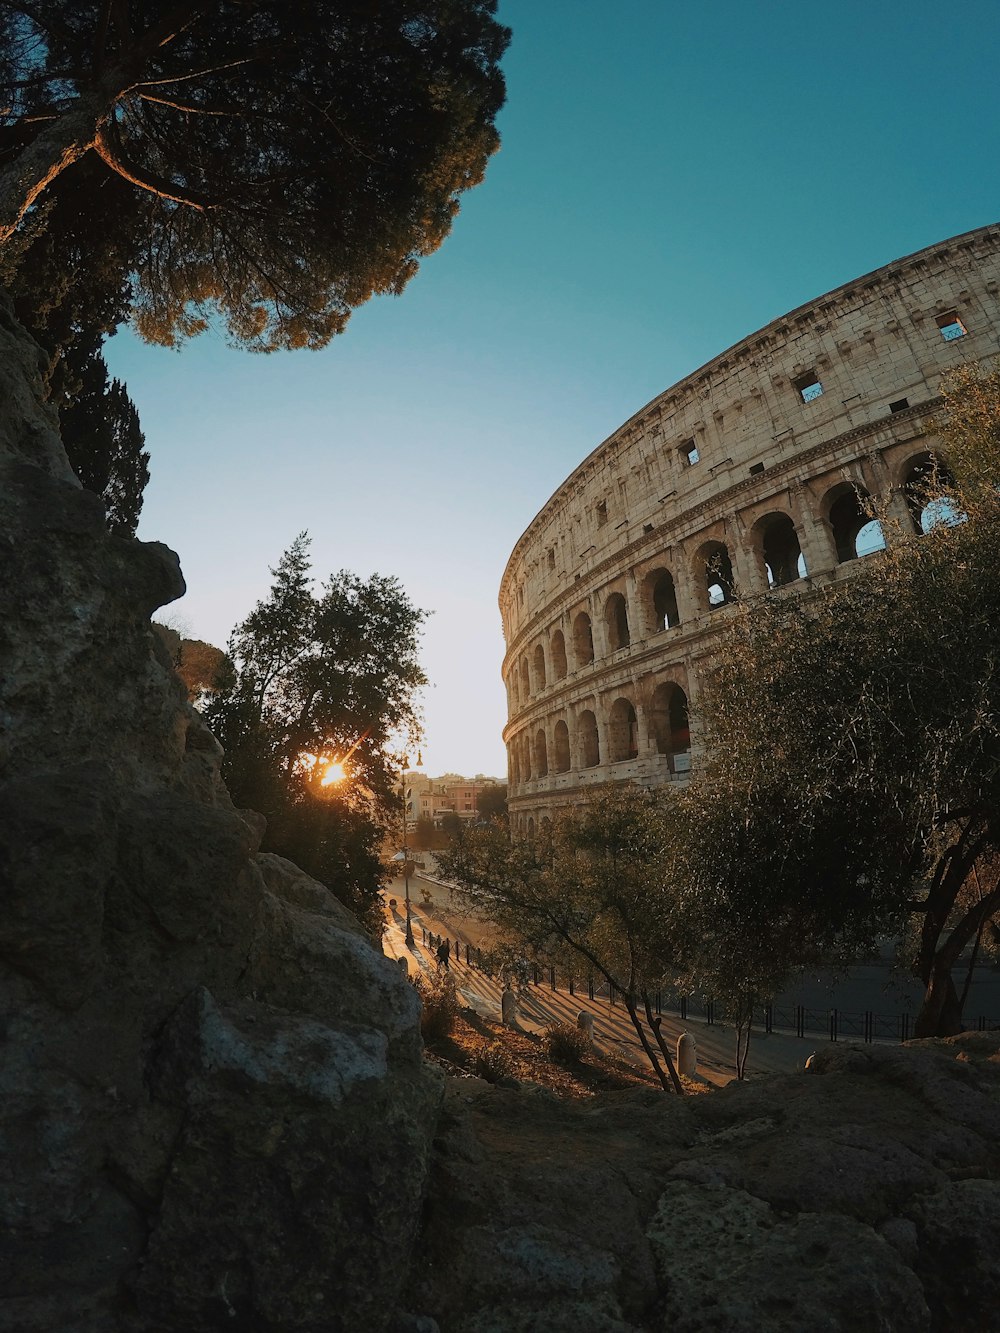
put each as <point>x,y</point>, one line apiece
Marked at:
<point>741,479</point>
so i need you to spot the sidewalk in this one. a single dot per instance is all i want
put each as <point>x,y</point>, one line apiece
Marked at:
<point>539,1006</point>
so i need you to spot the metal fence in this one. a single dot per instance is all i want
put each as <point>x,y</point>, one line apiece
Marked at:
<point>796,1020</point>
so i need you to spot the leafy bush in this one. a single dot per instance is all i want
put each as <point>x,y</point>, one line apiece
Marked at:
<point>494,1062</point>
<point>440,1003</point>
<point>566,1044</point>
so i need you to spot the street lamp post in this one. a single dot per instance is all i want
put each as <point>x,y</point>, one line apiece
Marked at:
<point>406,861</point>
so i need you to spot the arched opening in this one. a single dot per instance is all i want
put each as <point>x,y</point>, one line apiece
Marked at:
<point>560,747</point>
<point>623,732</point>
<point>557,655</point>
<point>512,688</point>
<point>716,574</point>
<point>515,767</point>
<point>783,558</point>
<point>525,680</point>
<point>928,487</point>
<point>525,757</point>
<point>669,719</point>
<point>541,765</point>
<point>588,740</point>
<point>616,619</point>
<point>583,640</point>
<point>855,533</point>
<point>539,665</point>
<point>662,601</point>
<point>531,829</point>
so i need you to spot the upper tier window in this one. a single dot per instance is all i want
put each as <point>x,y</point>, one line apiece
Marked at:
<point>689,452</point>
<point>951,326</point>
<point>809,386</point>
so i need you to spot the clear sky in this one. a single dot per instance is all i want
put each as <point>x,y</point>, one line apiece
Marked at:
<point>672,177</point>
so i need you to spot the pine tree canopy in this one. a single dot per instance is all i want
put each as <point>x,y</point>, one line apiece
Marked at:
<point>290,158</point>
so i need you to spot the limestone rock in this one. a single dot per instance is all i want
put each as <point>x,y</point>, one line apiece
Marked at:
<point>213,1107</point>
<point>859,1196</point>
<point>728,1261</point>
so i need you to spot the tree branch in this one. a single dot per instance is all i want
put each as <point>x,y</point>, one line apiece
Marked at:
<point>193,108</point>
<point>146,180</point>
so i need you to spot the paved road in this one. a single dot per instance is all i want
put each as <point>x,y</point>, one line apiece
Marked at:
<point>539,1006</point>
<point>873,987</point>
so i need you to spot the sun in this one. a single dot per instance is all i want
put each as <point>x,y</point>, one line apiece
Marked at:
<point>335,772</point>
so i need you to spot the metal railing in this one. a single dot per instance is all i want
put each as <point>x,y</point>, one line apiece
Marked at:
<point>795,1020</point>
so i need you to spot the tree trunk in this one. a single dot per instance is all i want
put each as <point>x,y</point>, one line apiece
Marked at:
<point>644,1040</point>
<point>75,131</point>
<point>58,146</point>
<point>941,1012</point>
<point>654,1023</point>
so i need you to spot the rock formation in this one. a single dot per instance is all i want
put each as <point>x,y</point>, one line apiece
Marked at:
<point>860,1197</point>
<point>213,1108</point>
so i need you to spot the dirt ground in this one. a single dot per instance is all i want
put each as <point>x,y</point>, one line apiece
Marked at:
<point>529,1061</point>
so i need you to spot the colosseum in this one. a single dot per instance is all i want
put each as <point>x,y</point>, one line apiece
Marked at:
<point>745,479</point>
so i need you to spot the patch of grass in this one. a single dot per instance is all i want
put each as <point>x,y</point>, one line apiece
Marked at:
<point>493,1061</point>
<point>440,1004</point>
<point>566,1044</point>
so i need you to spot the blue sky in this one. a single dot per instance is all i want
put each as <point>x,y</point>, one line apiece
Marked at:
<point>672,177</point>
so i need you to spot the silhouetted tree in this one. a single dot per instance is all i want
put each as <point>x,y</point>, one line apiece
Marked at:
<point>491,802</point>
<point>293,157</point>
<point>67,275</point>
<point>317,679</point>
<point>104,443</point>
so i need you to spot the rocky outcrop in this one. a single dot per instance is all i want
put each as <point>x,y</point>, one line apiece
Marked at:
<point>213,1107</point>
<point>858,1197</point>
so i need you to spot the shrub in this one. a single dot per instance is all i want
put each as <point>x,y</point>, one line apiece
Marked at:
<point>566,1044</point>
<point>494,1062</point>
<point>440,1003</point>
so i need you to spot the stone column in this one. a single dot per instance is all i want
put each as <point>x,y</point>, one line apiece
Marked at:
<point>815,537</point>
<point>749,579</point>
<point>598,628</point>
<point>689,603</point>
<point>634,610</point>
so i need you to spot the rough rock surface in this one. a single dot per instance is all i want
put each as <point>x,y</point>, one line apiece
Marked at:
<point>213,1107</point>
<point>858,1197</point>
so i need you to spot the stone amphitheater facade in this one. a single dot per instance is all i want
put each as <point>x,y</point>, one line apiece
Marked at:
<point>744,479</point>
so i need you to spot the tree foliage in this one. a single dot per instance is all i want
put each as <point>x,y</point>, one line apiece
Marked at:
<point>67,276</point>
<point>284,160</point>
<point>852,784</point>
<point>105,444</point>
<point>592,891</point>
<point>316,679</point>
<point>491,801</point>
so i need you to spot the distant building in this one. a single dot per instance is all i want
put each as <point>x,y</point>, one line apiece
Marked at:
<point>433,798</point>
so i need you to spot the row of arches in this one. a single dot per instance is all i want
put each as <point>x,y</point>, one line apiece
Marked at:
<point>581,740</point>
<point>777,558</point>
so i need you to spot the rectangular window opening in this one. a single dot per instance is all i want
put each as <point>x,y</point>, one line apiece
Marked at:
<point>808,386</point>
<point>900,405</point>
<point>602,514</point>
<point>951,326</point>
<point>757,469</point>
<point>552,558</point>
<point>689,453</point>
